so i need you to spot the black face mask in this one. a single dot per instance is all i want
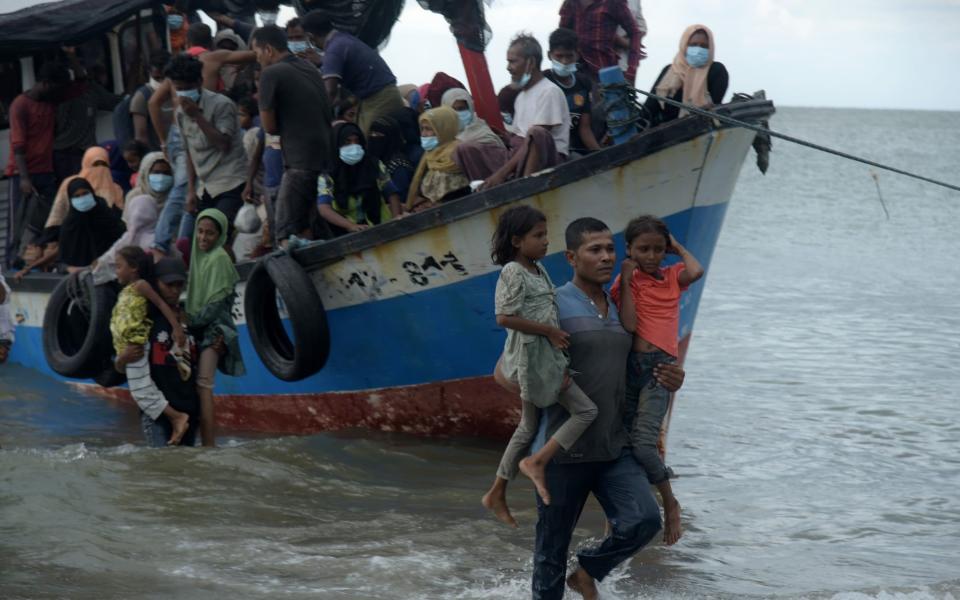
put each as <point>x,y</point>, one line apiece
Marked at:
<point>376,146</point>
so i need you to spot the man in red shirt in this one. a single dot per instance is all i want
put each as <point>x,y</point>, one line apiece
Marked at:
<point>596,23</point>
<point>32,121</point>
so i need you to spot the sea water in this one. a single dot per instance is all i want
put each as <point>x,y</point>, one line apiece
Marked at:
<point>817,436</point>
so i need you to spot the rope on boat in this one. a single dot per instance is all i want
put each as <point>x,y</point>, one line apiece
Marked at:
<point>631,92</point>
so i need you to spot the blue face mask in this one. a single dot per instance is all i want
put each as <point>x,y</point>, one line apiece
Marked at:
<point>193,94</point>
<point>83,203</point>
<point>298,46</point>
<point>351,153</point>
<point>562,70</point>
<point>507,118</point>
<point>466,117</point>
<point>174,22</point>
<point>160,182</point>
<point>697,56</point>
<point>522,83</point>
<point>429,142</point>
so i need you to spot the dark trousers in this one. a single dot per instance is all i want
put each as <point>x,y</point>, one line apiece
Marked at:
<point>622,489</point>
<point>27,216</point>
<point>229,203</point>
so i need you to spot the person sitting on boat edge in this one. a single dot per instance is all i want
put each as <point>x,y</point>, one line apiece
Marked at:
<point>170,276</point>
<point>90,227</point>
<point>541,121</point>
<point>44,251</point>
<point>601,462</point>
<point>350,197</point>
<point>649,304</point>
<point>481,152</point>
<point>211,291</point>
<point>438,177</point>
<point>7,324</point>
<point>693,78</point>
<point>130,326</point>
<point>576,88</point>
<point>387,144</point>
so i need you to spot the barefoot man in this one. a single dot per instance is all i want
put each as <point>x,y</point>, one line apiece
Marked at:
<point>600,463</point>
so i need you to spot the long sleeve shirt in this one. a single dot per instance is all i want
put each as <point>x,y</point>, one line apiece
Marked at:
<point>596,26</point>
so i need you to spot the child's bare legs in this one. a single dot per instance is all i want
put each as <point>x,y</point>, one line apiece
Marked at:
<point>180,422</point>
<point>495,500</point>
<point>582,413</point>
<point>671,514</point>
<point>206,372</point>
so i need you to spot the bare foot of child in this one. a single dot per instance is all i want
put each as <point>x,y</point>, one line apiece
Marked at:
<point>536,472</point>
<point>672,531</point>
<point>496,503</point>
<point>583,584</point>
<point>180,422</point>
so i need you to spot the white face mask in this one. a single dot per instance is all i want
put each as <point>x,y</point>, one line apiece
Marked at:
<point>268,17</point>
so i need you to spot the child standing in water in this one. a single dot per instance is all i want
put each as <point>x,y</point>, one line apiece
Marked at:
<point>533,360</point>
<point>651,311</point>
<point>130,326</point>
<point>211,292</point>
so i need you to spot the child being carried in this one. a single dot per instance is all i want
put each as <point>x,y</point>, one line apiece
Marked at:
<point>130,326</point>
<point>533,362</point>
<point>651,311</point>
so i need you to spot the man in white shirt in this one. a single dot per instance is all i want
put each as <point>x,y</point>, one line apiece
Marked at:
<point>540,132</point>
<point>6,320</point>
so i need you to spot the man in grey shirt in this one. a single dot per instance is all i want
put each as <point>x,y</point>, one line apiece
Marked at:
<point>600,462</point>
<point>210,129</point>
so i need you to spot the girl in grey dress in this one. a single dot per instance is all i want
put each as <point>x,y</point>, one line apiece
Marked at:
<point>533,362</point>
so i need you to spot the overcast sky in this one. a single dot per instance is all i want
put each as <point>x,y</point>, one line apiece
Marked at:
<point>851,53</point>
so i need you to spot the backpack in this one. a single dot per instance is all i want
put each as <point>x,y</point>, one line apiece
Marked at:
<point>122,119</point>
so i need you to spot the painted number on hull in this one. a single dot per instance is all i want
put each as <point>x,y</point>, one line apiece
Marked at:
<point>419,272</point>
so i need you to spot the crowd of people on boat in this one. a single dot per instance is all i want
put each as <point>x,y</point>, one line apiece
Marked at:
<point>286,134</point>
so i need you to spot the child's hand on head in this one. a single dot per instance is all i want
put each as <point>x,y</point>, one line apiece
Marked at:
<point>628,267</point>
<point>672,245</point>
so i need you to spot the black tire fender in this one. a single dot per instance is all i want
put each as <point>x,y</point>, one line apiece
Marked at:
<point>76,327</point>
<point>307,353</point>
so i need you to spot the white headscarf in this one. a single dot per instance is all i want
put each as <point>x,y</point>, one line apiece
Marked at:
<point>143,180</point>
<point>477,132</point>
<point>140,216</point>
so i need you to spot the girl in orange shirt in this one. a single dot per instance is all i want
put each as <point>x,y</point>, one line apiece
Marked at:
<point>651,311</point>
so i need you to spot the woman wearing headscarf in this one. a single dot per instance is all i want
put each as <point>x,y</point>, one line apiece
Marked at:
<point>351,196</point>
<point>140,218</point>
<point>437,175</point>
<point>481,151</point>
<point>386,143</point>
<point>155,179</point>
<point>90,227</point>
<point>693,78</point>
<point>95,168</point>
<point>211,291</point>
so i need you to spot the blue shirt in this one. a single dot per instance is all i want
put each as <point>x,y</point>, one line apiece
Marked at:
<point>358,66</point>
<point>599,348</point>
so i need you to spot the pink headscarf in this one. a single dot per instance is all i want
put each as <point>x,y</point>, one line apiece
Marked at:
<point>681,74</point>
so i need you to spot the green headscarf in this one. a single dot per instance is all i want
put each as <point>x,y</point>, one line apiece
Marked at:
<point>212,274</point>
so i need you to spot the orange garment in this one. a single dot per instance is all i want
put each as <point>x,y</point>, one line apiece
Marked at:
<point>178,37</point>
<point>657,302</point>
<point>97,176</point>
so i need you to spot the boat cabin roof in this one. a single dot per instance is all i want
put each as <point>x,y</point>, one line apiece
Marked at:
<point>51,25</point>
